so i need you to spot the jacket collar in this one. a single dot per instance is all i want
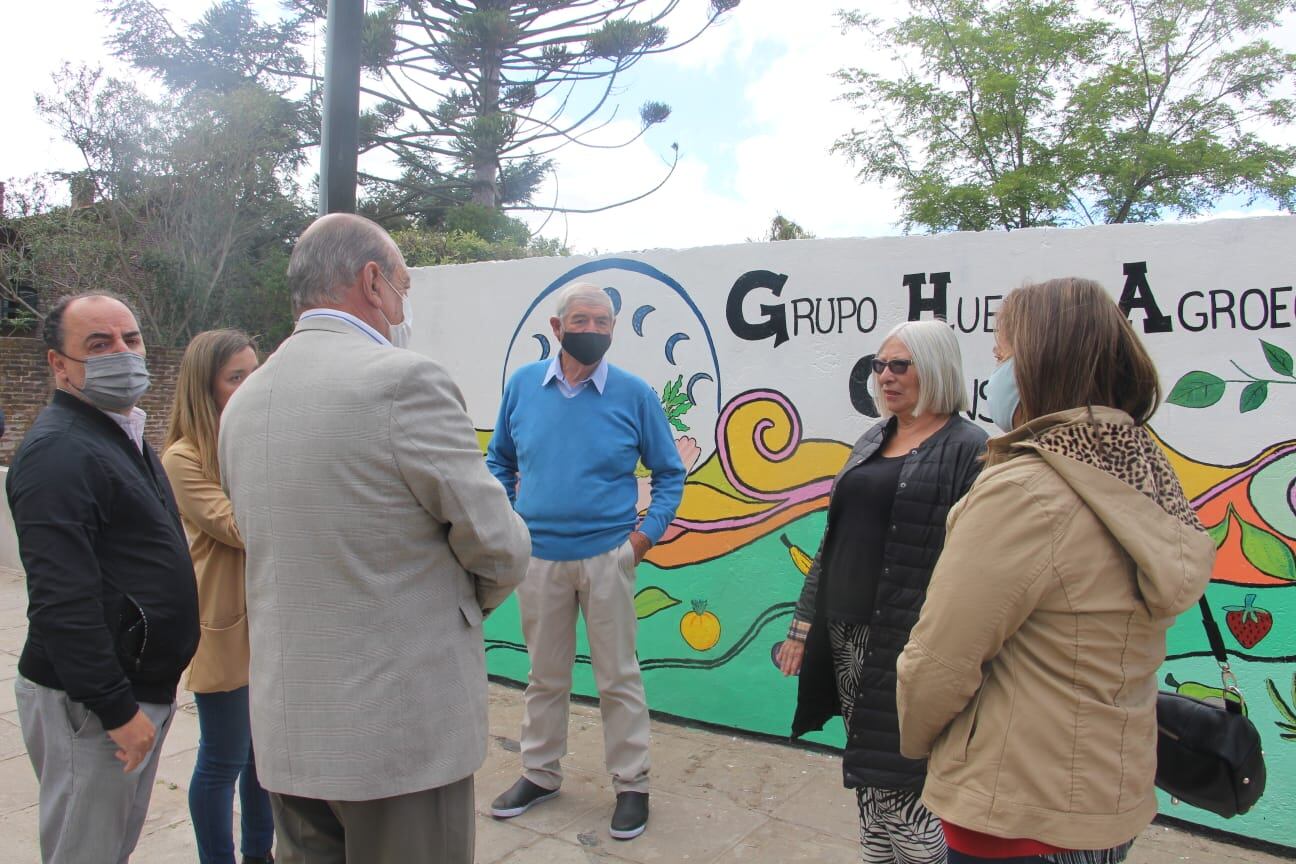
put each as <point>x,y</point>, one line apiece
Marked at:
<point>337,321</point>
<point>1020,440</point>
<point>96,417</point>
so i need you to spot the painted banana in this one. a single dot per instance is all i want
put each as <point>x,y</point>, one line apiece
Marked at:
<point>799,557</point>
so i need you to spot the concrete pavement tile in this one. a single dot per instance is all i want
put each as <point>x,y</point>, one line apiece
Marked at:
<point>501,753</point>
<point>790,844</point>
<point>8,666</point>
<point>680,829</point>
<point>1160,844</point>
<point>823,804</point>
<point>496,839</point>
<point>8,698</point>
<point>505,709</point>
<point>759,777</point>
<point>167,844</point>
<point>11,743</point>
<point>581,793</point>
<point>550,851</point>
<point>20,837</point>
<point>176,768</point>
<point>18,787</point>
<point>183,734</point>
<point>13,636</point>
<point>168,805</point>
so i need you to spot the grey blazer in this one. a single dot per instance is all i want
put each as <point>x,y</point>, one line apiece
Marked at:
<point>375,539</point>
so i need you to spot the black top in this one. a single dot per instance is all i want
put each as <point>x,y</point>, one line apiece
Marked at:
<point>935,474</point>
<point>858,517</point>
<point>112,600</point>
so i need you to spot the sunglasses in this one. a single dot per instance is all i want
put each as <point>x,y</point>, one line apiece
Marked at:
<point>897,367</point>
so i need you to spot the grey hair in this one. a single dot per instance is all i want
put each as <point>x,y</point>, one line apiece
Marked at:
<point>939,364</point>
<point>330,255</point>
<point>584,293</point>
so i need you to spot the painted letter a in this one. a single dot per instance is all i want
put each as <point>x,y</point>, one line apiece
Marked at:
<point>1138,295</point>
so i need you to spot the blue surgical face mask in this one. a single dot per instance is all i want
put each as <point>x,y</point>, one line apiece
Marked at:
<point>1001,390</point>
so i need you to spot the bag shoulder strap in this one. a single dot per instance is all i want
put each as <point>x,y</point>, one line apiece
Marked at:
<point>1216,640</point>
<point>1212,632</point>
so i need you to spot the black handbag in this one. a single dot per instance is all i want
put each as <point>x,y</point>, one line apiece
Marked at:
<point>1209,755</point>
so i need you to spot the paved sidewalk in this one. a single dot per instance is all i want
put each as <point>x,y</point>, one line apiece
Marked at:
<point>716,798</point>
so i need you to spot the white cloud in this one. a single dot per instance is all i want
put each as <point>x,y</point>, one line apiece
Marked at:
<point>783,166</point>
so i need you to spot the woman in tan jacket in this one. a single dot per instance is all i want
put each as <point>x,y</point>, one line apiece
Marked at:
<point>213,367</point>
<point>1030,678</point>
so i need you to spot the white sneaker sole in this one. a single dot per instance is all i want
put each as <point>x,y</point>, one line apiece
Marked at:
<point>627,835</point>
<point>501,813</point>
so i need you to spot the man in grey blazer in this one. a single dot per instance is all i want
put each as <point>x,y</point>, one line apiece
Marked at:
<point>376,542</point>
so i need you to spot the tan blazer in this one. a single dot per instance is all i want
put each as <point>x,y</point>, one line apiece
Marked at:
<point>221,663</point>
<point>1031,676</point>
<point>375,540</point>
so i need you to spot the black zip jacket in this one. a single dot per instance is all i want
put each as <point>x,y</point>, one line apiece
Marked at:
<point>936,474</point>
<point>112,601</point>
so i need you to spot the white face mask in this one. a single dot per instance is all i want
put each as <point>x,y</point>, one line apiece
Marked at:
<point>399,334</point>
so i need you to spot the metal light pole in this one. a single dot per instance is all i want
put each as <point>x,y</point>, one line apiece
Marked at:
<point>339,138</point>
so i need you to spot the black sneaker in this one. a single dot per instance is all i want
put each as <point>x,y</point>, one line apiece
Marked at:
<point>519,798</point>
<point>630,817</point>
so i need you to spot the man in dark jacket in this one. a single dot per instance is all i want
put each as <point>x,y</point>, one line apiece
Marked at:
<point>112,602</point>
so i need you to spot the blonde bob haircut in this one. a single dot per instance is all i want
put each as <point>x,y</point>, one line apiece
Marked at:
<point>194,415</point>
<point>939,364</point>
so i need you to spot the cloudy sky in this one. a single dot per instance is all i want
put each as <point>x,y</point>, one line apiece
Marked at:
<point>755,113</point>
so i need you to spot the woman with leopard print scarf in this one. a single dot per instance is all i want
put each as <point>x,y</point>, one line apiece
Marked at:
<point>1030,678</point>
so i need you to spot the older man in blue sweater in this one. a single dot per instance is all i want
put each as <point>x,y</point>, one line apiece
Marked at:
<point>570,433</point>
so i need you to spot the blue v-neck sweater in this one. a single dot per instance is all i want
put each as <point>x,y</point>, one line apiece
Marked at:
<point>568,463</point>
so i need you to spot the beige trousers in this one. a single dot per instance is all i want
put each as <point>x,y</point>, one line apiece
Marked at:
<point>602,589</point>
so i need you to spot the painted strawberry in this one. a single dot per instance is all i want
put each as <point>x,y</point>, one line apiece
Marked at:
<point>1248,623</point>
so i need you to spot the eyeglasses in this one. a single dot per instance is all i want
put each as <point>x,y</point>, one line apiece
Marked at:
<point>897,367</point>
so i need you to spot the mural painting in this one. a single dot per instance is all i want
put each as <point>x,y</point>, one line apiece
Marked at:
<point>758,353</point>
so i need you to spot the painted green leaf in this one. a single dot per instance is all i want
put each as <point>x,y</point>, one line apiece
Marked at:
<point>1283,708</point>
<point>1280,360</point>
<point>1267,553</point>
<point>1219,531</point>
<point>650,601</point>
<point>1197,390</point>
<point>1253,396</point>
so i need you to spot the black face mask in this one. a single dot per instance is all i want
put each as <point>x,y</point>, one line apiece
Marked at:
<point>586,349</point>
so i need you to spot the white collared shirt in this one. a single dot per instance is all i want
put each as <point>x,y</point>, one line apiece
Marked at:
<point>132,424</point>
<point>598,377</point>
<point>348,318</point>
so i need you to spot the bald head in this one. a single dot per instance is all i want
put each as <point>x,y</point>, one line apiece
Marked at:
<point>84,326</point>
<point>330,256</point>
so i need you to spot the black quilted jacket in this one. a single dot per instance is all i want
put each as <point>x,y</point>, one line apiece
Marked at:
<point>935,475</point>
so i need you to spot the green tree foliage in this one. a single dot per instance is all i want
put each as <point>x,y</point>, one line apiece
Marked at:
<point>469,100</point>
<point>782,228</point>
<point>195,203</point>
<point>1019,113</point>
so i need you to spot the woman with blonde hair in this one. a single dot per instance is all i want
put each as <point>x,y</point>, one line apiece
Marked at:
<point>885,529</point>
<point>213,367</point>
<point>1030,680</point>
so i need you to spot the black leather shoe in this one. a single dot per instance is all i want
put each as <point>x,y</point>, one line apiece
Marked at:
<point>519,798</point>
<point>269,859</point>
<point>630,817</point>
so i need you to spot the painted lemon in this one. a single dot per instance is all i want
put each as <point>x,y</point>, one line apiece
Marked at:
<point>700,628</point>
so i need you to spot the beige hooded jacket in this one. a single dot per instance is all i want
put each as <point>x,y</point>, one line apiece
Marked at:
<point>1030,678</point>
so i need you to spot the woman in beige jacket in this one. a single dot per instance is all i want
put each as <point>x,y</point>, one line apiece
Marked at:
<point>1030,679</point>
<point>213,367</point>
